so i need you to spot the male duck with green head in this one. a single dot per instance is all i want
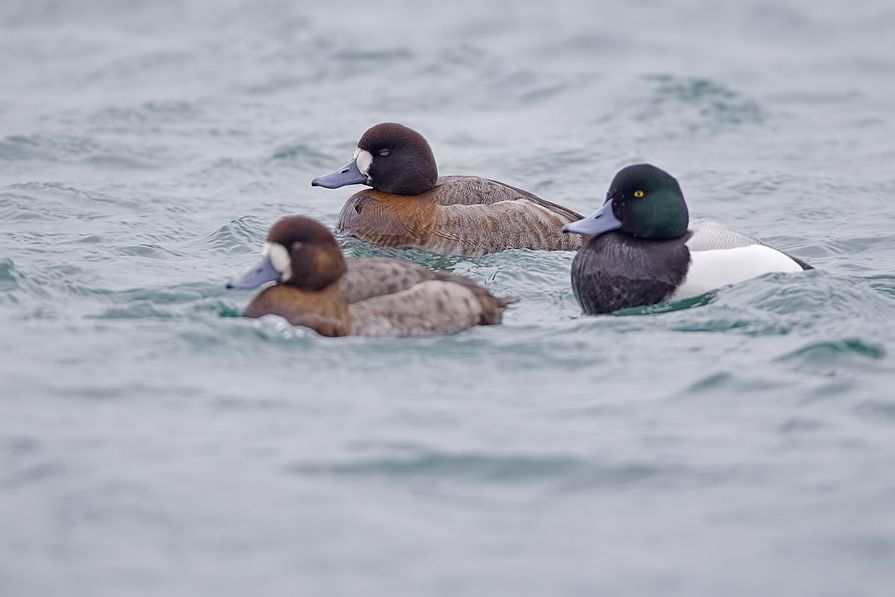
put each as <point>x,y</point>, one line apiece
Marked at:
<point>644,249</point>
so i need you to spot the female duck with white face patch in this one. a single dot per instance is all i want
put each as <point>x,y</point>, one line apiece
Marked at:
<point>313,286</point>
<point>644,249</point>
<point>411,206</point>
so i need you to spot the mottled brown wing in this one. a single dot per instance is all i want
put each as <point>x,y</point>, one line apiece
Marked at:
<point>429,308</point>
<point>472,190</point>
<point>476,230</point>
<point>366,278</point>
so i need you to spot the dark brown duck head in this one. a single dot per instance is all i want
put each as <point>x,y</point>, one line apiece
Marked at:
<point>299,252</point>
<point>390,158</point>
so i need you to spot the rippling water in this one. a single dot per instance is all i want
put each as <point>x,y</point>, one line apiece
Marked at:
<point>151,442</point>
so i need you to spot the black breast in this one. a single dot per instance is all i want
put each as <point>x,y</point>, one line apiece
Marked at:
<point>616,271</point>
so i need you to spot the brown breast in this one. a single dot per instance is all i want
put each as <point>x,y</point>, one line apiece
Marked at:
<point>325,311</point>
<point>460,215</point>
<point>391,220</point>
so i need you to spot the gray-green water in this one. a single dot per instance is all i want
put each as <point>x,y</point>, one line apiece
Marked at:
<point>153,444</point>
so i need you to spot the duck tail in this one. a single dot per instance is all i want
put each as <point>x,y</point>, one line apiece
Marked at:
<point>492,306</point>
<point>804,265</point>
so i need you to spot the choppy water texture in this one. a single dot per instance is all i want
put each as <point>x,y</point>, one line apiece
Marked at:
<point>152,443</point>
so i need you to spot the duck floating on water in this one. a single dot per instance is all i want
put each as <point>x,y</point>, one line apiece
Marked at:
<point>411,206</point>
<point>643,248</point>
<point>314,287</point>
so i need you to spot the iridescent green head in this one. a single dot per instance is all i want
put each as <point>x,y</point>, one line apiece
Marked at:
<point>643,201</point>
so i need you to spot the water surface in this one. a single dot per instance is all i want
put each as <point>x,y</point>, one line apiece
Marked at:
<point>153,443</point>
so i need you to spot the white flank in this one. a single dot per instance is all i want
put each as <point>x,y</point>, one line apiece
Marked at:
<point>279,258</point>
<point>363,159</point>
<point>721,267</point>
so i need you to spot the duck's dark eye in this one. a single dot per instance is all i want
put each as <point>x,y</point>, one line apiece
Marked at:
<point>384,152</point>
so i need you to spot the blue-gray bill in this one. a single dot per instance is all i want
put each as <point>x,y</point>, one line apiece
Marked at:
<point>348,174</point>
<point>600,222</point>
<point>262,273</point>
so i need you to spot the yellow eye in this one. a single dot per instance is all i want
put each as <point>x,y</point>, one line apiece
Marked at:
<point>638,194</point>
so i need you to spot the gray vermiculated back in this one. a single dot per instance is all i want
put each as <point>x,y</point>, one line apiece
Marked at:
<point>708,234</point>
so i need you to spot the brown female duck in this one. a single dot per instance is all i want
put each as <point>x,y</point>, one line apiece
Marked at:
<point>411,206</point>
<point>315,288</point>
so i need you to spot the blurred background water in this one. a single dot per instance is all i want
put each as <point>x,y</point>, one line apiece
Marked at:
<point>153,443</point>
